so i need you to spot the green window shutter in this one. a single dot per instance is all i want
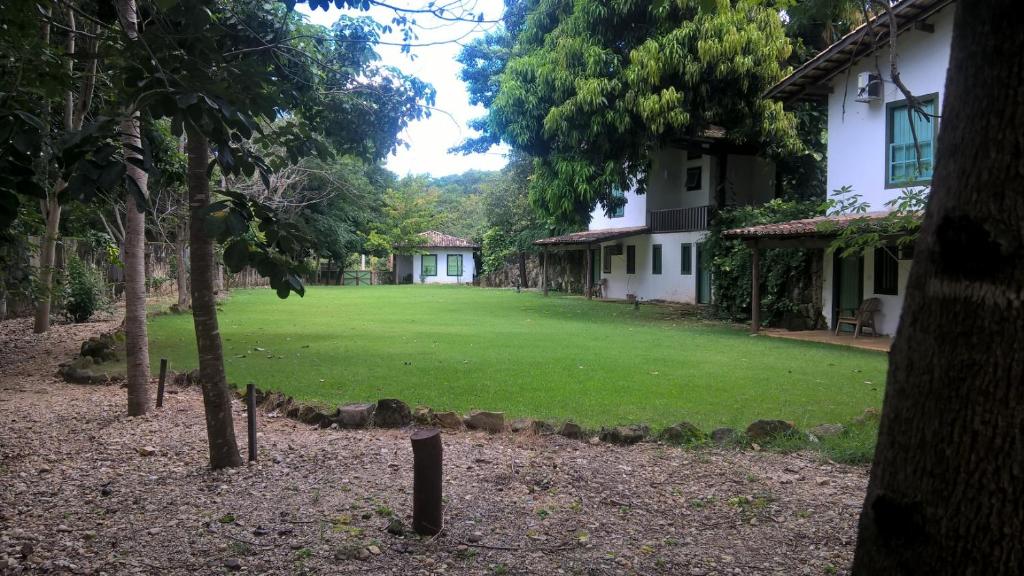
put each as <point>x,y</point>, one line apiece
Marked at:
<point>656,259</point>
<point>606,264</point>
<point>630,259</point>
<point>686,260</point>
<point>428,265</point>
<point>902,153</point>
<point>455,264</point>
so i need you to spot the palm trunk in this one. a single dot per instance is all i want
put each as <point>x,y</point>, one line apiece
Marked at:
<point>220,427</point>
<point>184,302</point>
<point>946,494</point>
<point>136,338</point>
<point>47,254</point>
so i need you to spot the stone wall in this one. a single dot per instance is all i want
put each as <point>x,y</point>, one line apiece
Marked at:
<point>565,272</point>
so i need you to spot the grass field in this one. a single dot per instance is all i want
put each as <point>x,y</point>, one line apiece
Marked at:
<point>463,348</point>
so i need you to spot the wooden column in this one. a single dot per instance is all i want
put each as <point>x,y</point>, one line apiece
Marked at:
<point>755,288</point>
<point>544,272</point>
<point>589,271</point>
<point>427,511</point>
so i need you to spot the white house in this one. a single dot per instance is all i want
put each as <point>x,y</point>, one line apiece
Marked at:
<point>652,247</point>
<point>871,148</point>
<point>440,259</point>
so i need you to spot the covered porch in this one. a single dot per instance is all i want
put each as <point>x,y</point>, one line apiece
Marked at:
<point>588,241</point>
<point>847,282</point>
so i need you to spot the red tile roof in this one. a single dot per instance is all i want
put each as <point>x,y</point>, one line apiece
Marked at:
<point>805,227</point>
<point>591,236</point>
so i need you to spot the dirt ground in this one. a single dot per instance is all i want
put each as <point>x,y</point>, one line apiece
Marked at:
<point>78,495</point>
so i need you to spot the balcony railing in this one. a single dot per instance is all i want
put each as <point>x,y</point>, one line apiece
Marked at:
<point>679,219</point>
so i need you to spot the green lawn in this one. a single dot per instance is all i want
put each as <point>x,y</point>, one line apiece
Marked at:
<point>463,348</point>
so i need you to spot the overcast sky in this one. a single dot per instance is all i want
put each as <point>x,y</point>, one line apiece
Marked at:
<point>430,139</point>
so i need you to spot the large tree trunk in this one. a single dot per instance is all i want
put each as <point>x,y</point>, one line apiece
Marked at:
<point>47,254</point>
<point>524,280</point>
<point>136,338</point>
<point>220,427</point>
<point>184,301</point>
<point>946,494</point>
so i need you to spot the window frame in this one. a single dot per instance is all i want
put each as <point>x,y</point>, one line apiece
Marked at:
<point>699,169</point>
<point>686,259</point>
<point>656,255</point>
<point>448,265</point>
<point>889,106</point>
<point>630,259</point>
<point>881,256</point>
<point>423,269</point>
<point>619,212</point>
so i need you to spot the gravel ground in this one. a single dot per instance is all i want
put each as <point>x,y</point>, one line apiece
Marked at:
<point>78,495</point>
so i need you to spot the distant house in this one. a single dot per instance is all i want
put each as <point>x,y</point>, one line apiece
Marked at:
<point>652,248</point>
<point>870,147</point>
<point>440,259</point>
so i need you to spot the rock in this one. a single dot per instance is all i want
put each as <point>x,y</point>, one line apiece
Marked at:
<point>146,450</point>
<point>682,433</point>
<point>723,435</point>
<point>310,415</point>
<point>827,430</point>
<point>363,554</point>
<point>543,428</point>
<point>373,549</point>
<point>396,527</point>
<point>233,564</point>
<point>475,537</point>
<point>354,415</point>
<point>594,441</point>
<point>63,528</point>
<point>449,420</point>
<point>521,424</point>
<point>102,348</point>
<point>423,415</point>
<point>106,491</point>
<point>624,434</point>
<point>767,429</point>
<point>822,481</point>
<point>391,413</point>
<point>492,422</point>
<point>572,430</point>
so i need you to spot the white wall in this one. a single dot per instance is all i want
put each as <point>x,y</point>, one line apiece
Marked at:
<point>857,139</point>
<point>670,284</point>
<point>468,267</point>
<point>888,319</point>
<point>634,214</point>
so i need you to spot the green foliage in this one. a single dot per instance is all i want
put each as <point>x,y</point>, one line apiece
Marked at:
<point>899,226</point>
<point>781,267</point>
<point>513,224</point>
<point>83,291</point>
<point>409,209</point>
<point>593,86</point>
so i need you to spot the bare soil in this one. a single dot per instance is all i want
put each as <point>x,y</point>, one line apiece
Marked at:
<point>78,495</point>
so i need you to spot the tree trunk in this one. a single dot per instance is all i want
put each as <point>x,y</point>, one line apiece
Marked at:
<point>47,250</point>
<point>184,301</point>
<point>220,427</point>
<point>946,494</point>
<point>136,338</point>
<point>524,280</point>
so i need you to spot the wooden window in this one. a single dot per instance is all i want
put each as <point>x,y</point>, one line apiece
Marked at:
<point>455,264</point>
<point>630,259</point>
<point>606,260</point>
<point>887,271</point>
<point>901,165</point>
<point>621,210</point>
<point>428,265</point>
<point>656,259</point>
<point>686,260</point>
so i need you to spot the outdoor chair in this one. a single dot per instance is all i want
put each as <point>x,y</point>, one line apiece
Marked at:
<point>863,317</point>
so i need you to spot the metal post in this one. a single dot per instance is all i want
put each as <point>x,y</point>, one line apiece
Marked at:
<point>160,386</point>
<point>589,271</point>
<point>250,408</point>
<point>755,288</point>
<point>427,513</point>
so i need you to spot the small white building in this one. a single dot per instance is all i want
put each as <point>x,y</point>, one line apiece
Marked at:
<point>871,148</point>
<point>652,247</point>
<point>440,259</point>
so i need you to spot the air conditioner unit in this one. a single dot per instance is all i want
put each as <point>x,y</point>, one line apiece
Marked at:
<point>869,87</point>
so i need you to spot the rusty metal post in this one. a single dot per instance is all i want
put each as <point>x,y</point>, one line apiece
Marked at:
<point>250,408</point>
<point>427,513</point>
<point>160,385</point>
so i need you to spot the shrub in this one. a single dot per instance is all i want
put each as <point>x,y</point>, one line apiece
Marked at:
<point>83,290</point>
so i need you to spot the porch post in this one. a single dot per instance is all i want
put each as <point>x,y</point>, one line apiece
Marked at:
<point>589,280</point>
<point>544,272</point>
<point>755,288</point>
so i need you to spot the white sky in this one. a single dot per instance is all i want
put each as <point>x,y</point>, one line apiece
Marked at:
<point>430,139</point>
